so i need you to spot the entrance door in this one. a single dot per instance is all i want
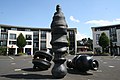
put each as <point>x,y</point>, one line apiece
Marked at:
<point>11,51</point>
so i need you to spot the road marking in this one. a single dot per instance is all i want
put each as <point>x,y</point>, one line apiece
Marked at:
<point>111,66</point>
<point>90,72</point>
<point>17,69</point>
<point>24,73</point>
<point>99,71</point>
<point>13,63</point>
<point>115,57</point>
<point>11,57</point>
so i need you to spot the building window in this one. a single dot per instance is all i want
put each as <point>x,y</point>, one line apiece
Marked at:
<point>71,32</point>
<point>36,37</point>
<point>0,43</point>
<point>28,51</point>
<point>113,34</point>
<point>28,37</point>
<point>13,28</point>
<point>97,43</point>
<point>3,30</point>
<point>35,32</point>
<point>12,42</point>
<point>27,29</point>
<point>3,36</point>
<point>43,45</point>
<point>36,44</point>
<point>12,36</point>
<point>3,43</point>
<point>28,43</point>
<point>43,34</point>
<point>97,36</point>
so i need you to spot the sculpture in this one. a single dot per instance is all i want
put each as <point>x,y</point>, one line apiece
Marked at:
<point>59,43</point>
<point>83,63</point>
<point>41,60</point>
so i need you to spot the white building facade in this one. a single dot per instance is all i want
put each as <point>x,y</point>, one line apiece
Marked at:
<point>113,33</point>
<point>36,38</point>
<point>12,38</point>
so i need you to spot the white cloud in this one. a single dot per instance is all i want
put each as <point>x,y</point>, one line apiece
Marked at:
<point>103,22</point>
<point>80,36</point>
<point>117,19</point>
<point>73,19</point>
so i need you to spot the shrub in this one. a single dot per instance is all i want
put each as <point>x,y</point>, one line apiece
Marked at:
<point>102,54</point>
<point>3,51</point>
<point>20,54</point>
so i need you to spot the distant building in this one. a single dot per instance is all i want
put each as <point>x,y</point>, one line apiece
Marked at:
<point>82,49</point>
<point>113,33</point>
<point>37,38</point>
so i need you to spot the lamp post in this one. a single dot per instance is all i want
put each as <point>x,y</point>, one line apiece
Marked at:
<point>59,43</point>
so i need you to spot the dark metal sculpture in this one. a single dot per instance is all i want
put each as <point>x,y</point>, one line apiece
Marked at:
<point>59,43</point>
<point>41,60</point>
<point>83,63</point>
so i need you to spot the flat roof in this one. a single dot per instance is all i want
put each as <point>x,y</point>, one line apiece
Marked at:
<point>30,27</point>
<point>106,26</point>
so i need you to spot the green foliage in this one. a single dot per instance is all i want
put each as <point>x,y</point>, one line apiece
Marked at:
<point>104,41</point>
<point>90,44</point>
<point>102,54</point>
<point>3,51</point>
<point>68,41</point>
<point>21,54</point>
<point>21,41</point>
<point>86,42</point>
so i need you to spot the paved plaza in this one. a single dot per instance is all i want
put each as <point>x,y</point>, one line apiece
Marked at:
<point>20,68</point>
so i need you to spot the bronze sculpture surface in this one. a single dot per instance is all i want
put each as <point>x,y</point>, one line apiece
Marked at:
<point>59,43</point>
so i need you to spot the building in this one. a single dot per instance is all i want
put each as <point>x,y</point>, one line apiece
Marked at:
<point>37,38</point>
<point>113,33</point>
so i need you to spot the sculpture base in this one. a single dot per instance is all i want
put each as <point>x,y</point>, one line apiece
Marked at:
<point>59,70</point>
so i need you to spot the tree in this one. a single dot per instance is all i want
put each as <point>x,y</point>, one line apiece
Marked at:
<point>21,41</point>
<point>90,44</point>
<point>86,42</point>
<point>104,41</point>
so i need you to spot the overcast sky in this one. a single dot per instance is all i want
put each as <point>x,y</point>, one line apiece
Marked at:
<point>80,14</point>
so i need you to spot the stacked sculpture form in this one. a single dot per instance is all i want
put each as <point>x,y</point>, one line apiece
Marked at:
<point>83,63</point>
<point>59,43</point>
<point>41,60</point>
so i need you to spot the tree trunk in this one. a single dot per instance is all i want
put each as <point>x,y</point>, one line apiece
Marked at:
<point>102,49</point>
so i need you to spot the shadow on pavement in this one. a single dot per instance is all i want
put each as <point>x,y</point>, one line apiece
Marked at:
<point>32,70</point>
<point>73,71</point>
<point>27,76</point>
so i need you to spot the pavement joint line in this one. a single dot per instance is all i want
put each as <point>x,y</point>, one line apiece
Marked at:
<point>5,59</point>
<point>105,62</point>
<point>90,79</point>
<point>11,57</point>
